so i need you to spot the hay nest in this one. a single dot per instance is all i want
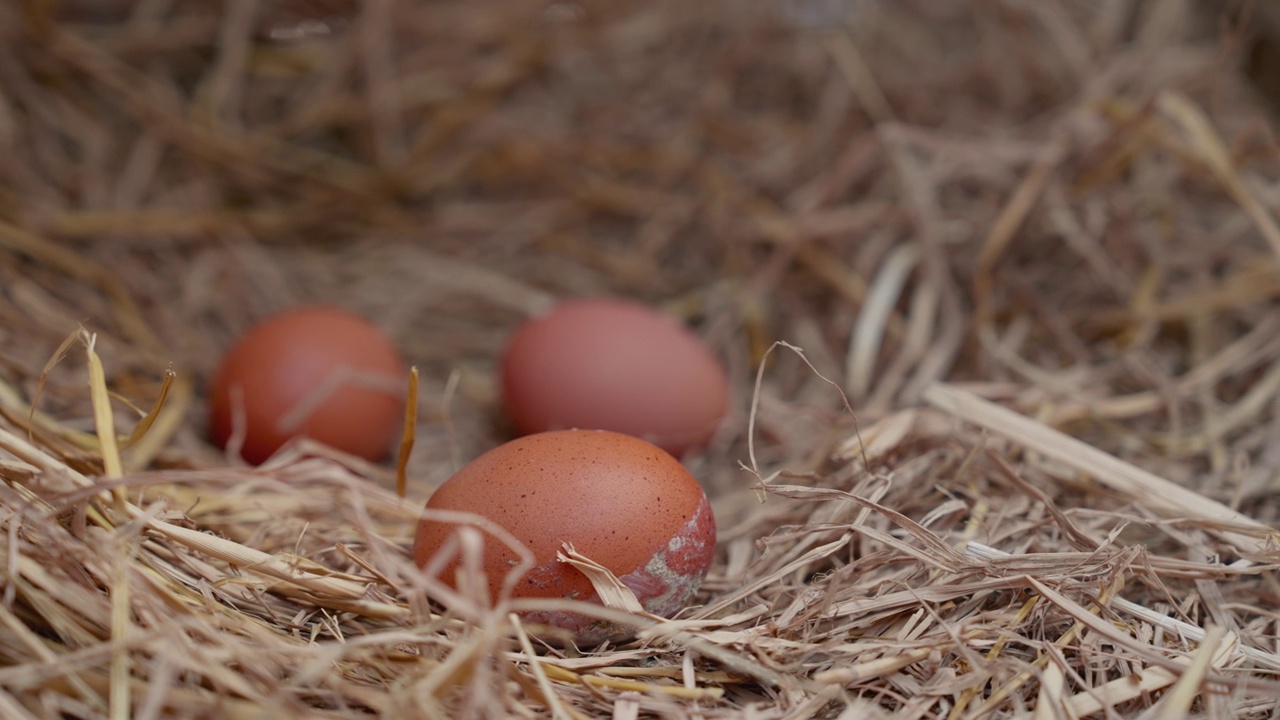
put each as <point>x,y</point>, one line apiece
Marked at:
<point>1018,455</point>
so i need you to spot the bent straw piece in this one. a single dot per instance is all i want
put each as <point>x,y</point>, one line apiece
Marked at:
<point>149,418</point>
<point>612,592</point>
<point>1167,498</point>
<point>103,421</point>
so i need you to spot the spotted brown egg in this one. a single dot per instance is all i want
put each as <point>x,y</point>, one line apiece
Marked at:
<point>620,501</point>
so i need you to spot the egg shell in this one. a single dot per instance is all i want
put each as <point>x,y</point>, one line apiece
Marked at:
<point>619,500</point>
<point>299,356</point>
<point>616,365</point>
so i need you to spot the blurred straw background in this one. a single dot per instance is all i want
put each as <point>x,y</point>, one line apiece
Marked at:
<point>1016,457</point>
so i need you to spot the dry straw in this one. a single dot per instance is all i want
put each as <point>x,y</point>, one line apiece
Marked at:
<point>995,283</point>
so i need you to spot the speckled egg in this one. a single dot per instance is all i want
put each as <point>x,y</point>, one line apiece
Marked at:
<point>610,364</point>
<point>619,500</point>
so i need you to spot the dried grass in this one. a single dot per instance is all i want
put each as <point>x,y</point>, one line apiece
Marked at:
<point>1030,247</point>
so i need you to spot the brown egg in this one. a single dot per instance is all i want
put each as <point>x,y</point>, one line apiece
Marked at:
<point>614,365</point>
<point>619,500</point>
<point>316,371</point>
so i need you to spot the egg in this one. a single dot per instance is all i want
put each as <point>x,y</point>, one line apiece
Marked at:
<point>314,371</point>
<point>620,501</point>
<point>613,365</point>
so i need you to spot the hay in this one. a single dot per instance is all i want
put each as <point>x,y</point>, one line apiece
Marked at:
<point>1016,455</point>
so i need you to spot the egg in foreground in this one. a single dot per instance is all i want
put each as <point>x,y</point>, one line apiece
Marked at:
<point>313,371</point>
<point>621,501</point>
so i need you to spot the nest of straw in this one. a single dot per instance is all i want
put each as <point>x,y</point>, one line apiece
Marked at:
<point>996,285</point>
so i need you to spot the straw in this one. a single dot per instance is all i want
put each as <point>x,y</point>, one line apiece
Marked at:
<point>1018,459</point>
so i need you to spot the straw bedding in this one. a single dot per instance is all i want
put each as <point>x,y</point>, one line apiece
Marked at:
<point>995,283</point>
